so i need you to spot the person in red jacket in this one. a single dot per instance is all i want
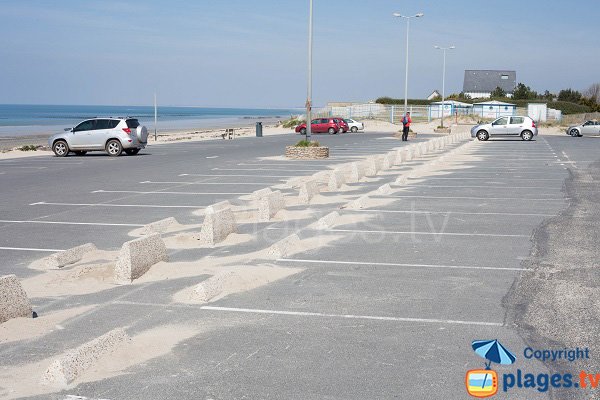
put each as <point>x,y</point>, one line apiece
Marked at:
<point>406,121</point>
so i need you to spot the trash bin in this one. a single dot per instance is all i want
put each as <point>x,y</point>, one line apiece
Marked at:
<point>259,129</point>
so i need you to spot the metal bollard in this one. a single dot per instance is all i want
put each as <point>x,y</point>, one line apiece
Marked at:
<point>259,129</point>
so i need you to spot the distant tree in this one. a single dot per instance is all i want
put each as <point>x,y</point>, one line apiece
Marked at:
<point>593,93</point>
<point>463,96</point>
<point>547,96</point>
<point>498,92</point>
<point>569,95</point>
<point>523,92</point>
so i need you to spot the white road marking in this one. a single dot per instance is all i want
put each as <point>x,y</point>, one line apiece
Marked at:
<point>212,157</point>
<point>473,198</point>
<point>66,223</point>
<point>427,233</point>
<point>31,249</point>
<point>111,205</point>
<point>266,169</point>
<point>300,261</point>
<point>510,179</point>
<point>349,316</point>
<point>206,183</point>
<point>478,186</point>
<point>140,192</point>
<point>367,210</point>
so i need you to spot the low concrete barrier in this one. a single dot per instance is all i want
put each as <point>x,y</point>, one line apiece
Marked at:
<point>408,154</point>
<point>387,161</point>
<point>137,256</point>
<point>219,222</point>
<point>284,247</point>
<point>385,189</point>
<point>73,363</point>
<point>359,203</point>
<point>371,166</point>
<point>402,180</point>
<point>70,256</point>
<point>308,190</point>
<point>13,299</point>
<point>259,194</point>
<point>270,205</point>
<point>160,226</point>
<point>327,221</point>
<point>337,179</point>
<point>211,287</point>
<point>357,172</point>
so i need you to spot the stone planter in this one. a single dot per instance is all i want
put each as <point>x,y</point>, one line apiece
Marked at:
<point>442,130</point>
<point>306,153</point>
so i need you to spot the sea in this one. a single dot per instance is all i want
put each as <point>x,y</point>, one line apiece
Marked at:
<point>18,120</point>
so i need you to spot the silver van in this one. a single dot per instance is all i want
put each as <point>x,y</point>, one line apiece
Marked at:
<point>113,135</point>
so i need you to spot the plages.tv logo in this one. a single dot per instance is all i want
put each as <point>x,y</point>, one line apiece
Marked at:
<point>484,382</point>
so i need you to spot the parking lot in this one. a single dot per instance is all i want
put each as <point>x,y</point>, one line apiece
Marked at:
<point>386,305</point>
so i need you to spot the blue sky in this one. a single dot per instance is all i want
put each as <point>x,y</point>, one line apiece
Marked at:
<point>252,53</point>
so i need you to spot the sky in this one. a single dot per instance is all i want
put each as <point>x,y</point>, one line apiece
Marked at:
<point>253,53</point>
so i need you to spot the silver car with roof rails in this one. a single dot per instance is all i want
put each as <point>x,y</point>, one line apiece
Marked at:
<point>113,135</point>
<point>587,128</point>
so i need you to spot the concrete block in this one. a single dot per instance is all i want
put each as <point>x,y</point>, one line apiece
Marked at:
<point>70,256</point>
<point>357,172</point>
<point>408,154</point>
<point>416,151</point>
<point>270,205</point>
<point>137,256</point>
<point>371,166</point>
<point>160,226</point>
<point>13,299</point>
<point>387,161</point>
<point>384,189</point>
<point>259,194</point>
<point>220,206</point>
<point>327,221</point>
<point>359,203</point>
<point>73,363</point>
<point>308,190</point>
<point>284,247</point>
<point>211,287</point>
<point>400,157</point>
<point>337,179</point>
<point>402,180</point>
<point>219,222</point>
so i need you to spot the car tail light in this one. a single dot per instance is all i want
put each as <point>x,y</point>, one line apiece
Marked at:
<point>533,124</point>
<point>127,131</point>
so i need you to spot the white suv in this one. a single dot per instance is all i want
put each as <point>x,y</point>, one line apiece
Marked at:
<point>113,135</point>
<point>523,127</point>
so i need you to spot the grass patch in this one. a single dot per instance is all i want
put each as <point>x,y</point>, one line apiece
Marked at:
<point>307,143</point>
<point>292,122</point>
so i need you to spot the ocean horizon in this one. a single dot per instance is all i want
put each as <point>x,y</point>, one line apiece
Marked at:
<point>39,119</point>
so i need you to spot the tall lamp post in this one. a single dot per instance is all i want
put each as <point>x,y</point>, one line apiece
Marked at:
<point>398,15</point>
<point>444,77</point>
<point>309,89</point>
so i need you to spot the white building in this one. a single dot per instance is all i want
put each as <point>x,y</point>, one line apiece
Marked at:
<point>450,107</point>
<point>479,84</point>
<point>494,109</point>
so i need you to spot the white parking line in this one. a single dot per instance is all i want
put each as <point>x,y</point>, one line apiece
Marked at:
<point>371,210</point>
<point>140,192</point>
<point>43,203</point>
<point>427,233</point>
<point>473,198</point>
<point>300,261</point>
<point>490,181</point>
<point>66,223</point>
<point>243,176</point>
<point>478,186</point>
<point>265,169</point>
<point>206,183</point>
<point>349,316</point>
<point>31,249</point>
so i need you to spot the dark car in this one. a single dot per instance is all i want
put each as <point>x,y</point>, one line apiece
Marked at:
<point>342,124</point>
<point>320,125</point>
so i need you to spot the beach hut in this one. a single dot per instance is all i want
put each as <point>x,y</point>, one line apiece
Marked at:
<point>494,109</point>
<point>450,108</point>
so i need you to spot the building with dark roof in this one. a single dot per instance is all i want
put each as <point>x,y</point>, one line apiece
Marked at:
<point>481,83</point>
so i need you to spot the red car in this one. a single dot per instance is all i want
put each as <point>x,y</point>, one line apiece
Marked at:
<point>342,124</point>
<point>321,125</point>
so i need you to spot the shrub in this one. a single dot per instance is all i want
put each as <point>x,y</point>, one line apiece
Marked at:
<point>29,147</point>
<point>292,122</point>
<point>307,143</point>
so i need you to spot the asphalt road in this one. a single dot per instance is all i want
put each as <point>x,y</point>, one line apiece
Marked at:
<point>386,309</point>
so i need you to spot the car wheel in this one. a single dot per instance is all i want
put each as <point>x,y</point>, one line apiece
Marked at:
<point>132,152</point>
<point>114,148</point>
<point>303,131</point>
<point>354,129</point>
<point>483,135</point>
<point>60,148</point>
<point>574,132</point>
<point>80,152</point>
<point>332,131</point>
<point>526,135</point>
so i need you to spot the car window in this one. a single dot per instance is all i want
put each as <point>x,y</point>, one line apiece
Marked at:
<point>500,121</point>
<point>132,123</point>
<point>102,124</point>
<point>517,120</point>
<point>88,125</point>
<point>113,123</point>
<point>324,121</point>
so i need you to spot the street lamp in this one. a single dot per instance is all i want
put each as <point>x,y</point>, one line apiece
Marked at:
<point>444,77</point>
<point>398,15</point>
<point>309,89</point>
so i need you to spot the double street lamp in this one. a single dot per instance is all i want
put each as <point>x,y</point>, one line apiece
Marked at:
<point>309,89</point>
<point>444,78</point>
<point>398,15</point>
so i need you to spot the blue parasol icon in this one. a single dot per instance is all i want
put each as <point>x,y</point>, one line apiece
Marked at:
<point>493,351</point>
